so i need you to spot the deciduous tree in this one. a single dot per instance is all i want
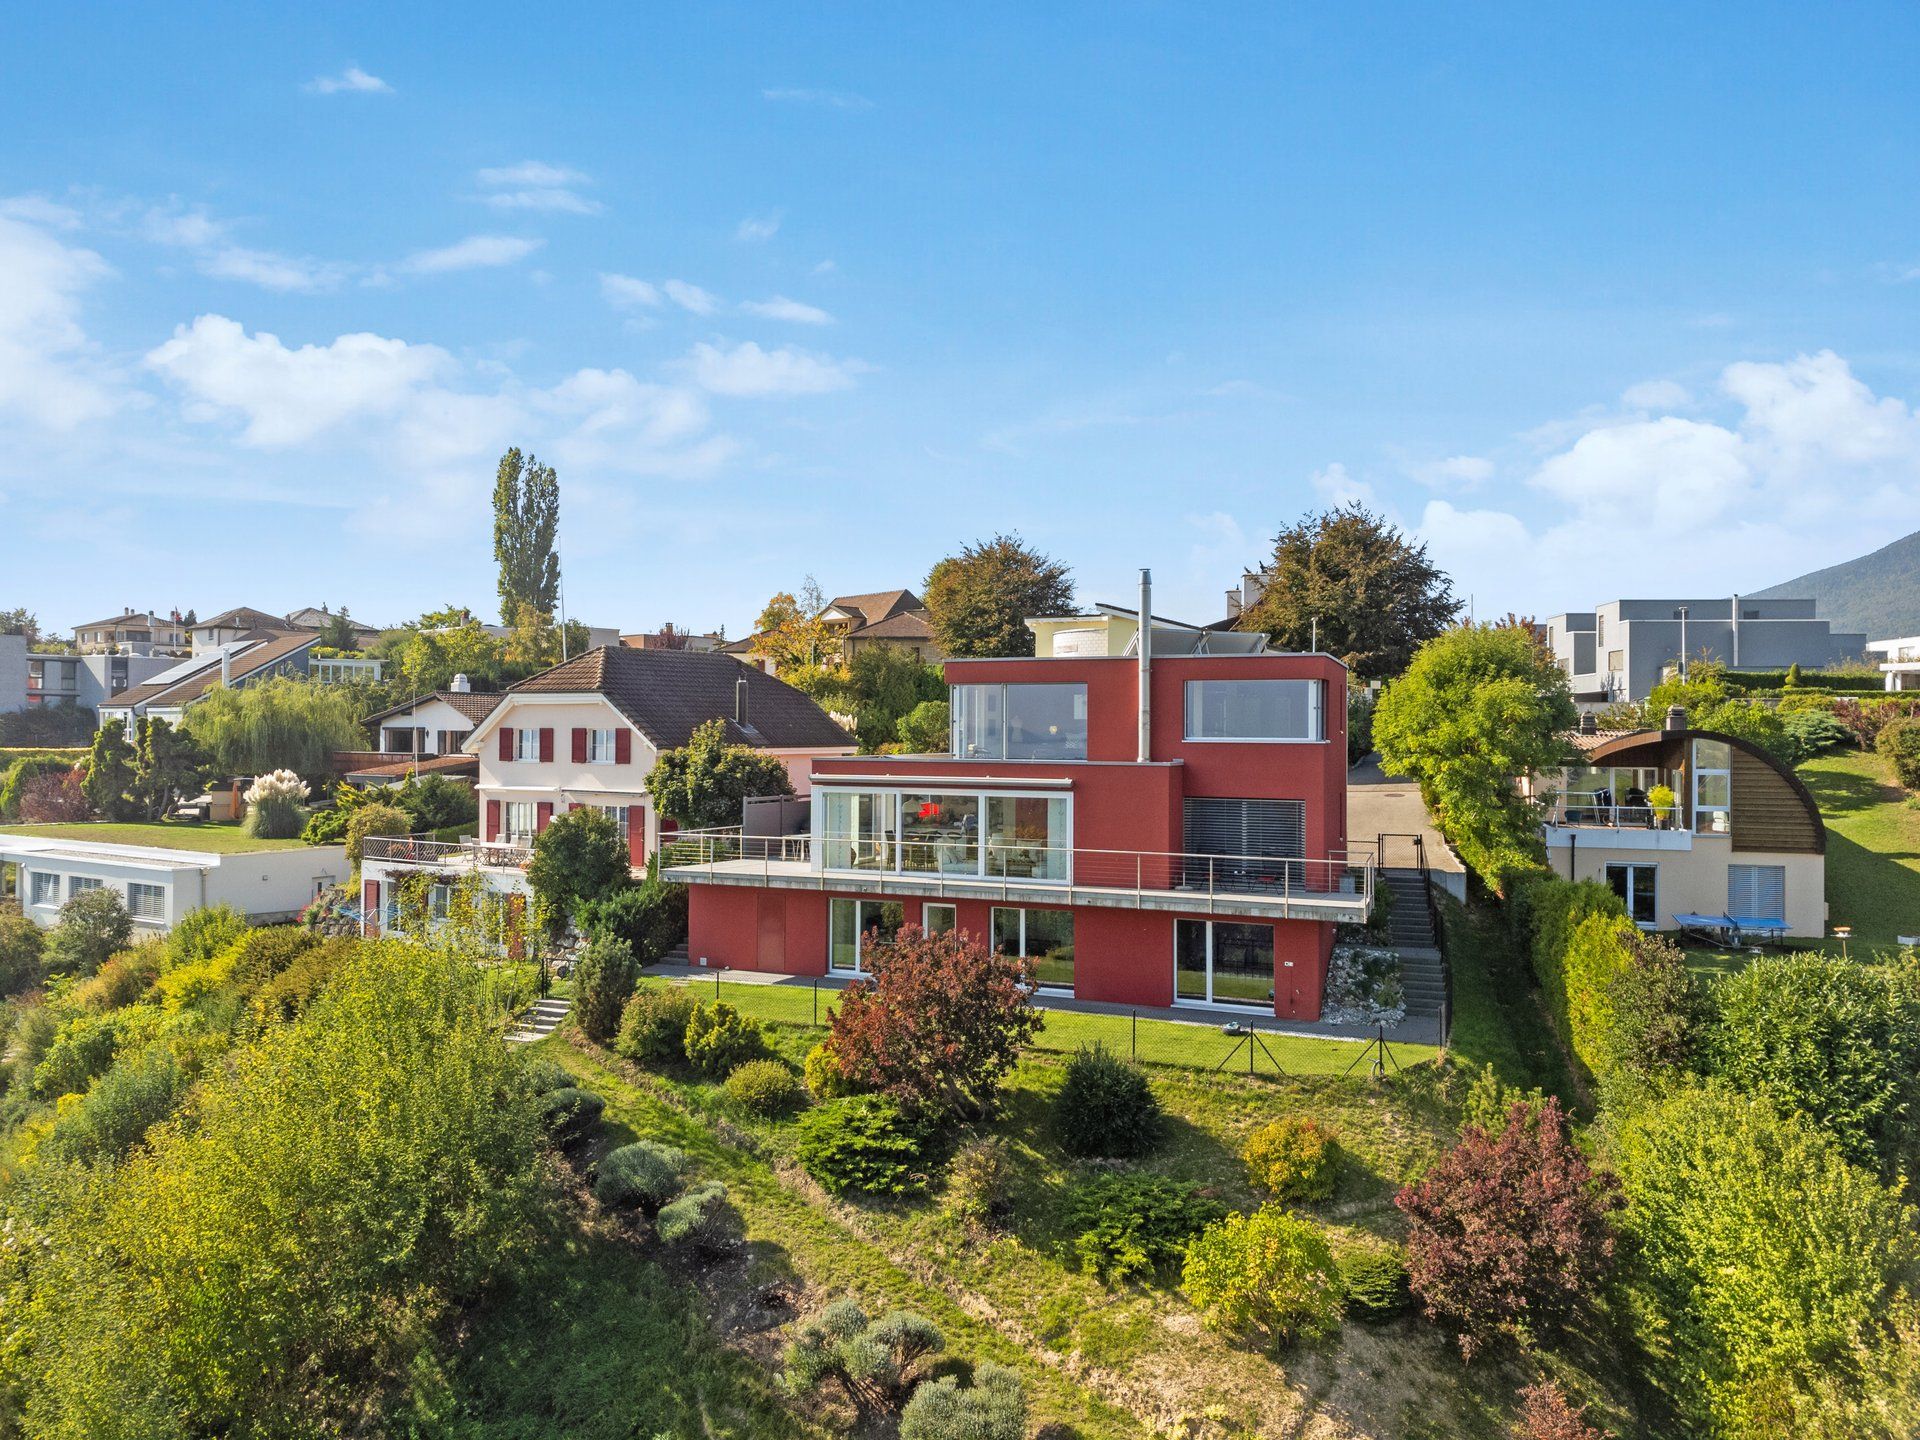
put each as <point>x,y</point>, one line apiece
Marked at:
<point>578,857</point>
<point>277,724</point>
<point>526,522</point>
<point>790,632</point>
<point>937,1022</point>
<point>1372,590</point>
<point>705,782</point>
<point>978,601</point>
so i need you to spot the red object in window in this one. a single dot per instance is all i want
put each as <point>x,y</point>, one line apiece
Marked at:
<point>929,810</point>
<point>542,815</point>
<point>546,745</point>
<point>493,819</point>
<point>623,747</point>
<point>506,743</point>
<point>579,746</point>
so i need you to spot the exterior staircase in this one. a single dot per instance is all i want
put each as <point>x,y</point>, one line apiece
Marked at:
<point>539,1020</point>
<point>1411,934</point>
<point>675,956</point>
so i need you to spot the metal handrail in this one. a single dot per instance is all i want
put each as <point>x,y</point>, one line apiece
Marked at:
<point>1337,875</point>
<point>424,850</point>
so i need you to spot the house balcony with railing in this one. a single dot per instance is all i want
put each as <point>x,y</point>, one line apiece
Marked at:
<point>450,856</point>
<point>1336,888</point>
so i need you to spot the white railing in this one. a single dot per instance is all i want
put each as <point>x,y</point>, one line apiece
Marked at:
<point>1599,808</point>
<point>966,866</point>
<point>423,850</point>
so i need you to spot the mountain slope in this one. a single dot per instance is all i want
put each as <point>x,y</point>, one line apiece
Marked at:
<point>1877,593</point>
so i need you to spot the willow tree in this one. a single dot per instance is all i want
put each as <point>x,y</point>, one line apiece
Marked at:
<point>278,724</point>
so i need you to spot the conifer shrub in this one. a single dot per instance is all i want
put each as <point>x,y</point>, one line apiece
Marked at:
<point>703,1220</point>
<point>993,1407</point>
<point>861,1143</point>
<point>1133,1226</point>
<point>719,1039</point>
<point>653,1025</point>
<point>1105,1106</point>
<point>1373,1282</point>
<point>644,1175</point>
<point>980,1181</point>
<point>825,1079</point>
<point>767,1088</point>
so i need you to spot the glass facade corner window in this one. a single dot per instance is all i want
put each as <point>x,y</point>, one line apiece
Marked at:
<point>1271,710</point>
<point>961,835</point>
<point>1712,787</point>
<point>940,834</point>
<point>1019,722</point>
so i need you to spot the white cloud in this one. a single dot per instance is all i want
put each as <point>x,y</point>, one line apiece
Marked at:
<point>271,271</point>
<point>1656,395</point>
<point>537,186</point>
<point>473,253</point>
<point>1813,408</point>
<point>831,99</point>
<point>690,297</point>
<point>756,228</point>
<point>38,210</point>
<point>793,311</point>
<point>1337,487</point>
<point>352,80</point>
<point>1658,475</point>
<point>531,172</point>
<point>563,202</point>
<point>49,374</point>
<point>1456,472</point>
<point>626,291</point>
<point>746,369</point>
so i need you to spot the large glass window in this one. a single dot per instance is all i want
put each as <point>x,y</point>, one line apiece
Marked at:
<point>45,888</point>
<point>80,884</point>
<point>1255,710</point>
<point>1712,787</point>
<point>1020,722</point>
<point>1221,963</point>
<point>859,830</point>
<point>856,925</point>
<point>1043,936</point>
<point>1636,885</point>
<point>146,902</point>
<point>940,834</point>
<point>938,919</point>
<point>1027,837</point>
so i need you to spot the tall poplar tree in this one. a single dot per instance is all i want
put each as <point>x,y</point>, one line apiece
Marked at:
<point>526,518</point>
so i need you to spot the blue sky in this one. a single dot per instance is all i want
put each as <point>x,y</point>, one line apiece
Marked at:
<point>1621,302</point>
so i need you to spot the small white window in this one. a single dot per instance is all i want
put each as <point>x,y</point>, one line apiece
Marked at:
<point>526,744</point>
<point>80,884</point>
<point>600,747</point>
<point>146,902</point>
<point>46,888</point>
<point>615,813</point>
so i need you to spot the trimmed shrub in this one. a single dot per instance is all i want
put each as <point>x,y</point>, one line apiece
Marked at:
<point>1898,743</point>
<point>1105,1106</point>
<point>1490,1102</point>
<point>1293,1158</point>
<point>720,1039</point>
<point>1131,1226</point>
<point>1658,1014</point>
<point>653,1026</point>
<point>373,819</point>
<point>825,1079</point>
<point>1508,1232</point>
<point>1373,1280</point>
<point>862,1143</point>
<point>702,1219</point>
<point>570,1113</point>
<point>93,925</point>
<point>1580,938</point>
<point>766,1087</point>
<point>644,1175</point>
<point>994,1407</point>
<point>1269,1274</point>
<point>877,1362</point>
<point>20,773</point>
<point>603,982</point>
<point>979,1181</point>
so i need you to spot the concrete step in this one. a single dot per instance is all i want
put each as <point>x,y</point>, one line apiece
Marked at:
<point>539,1019</point>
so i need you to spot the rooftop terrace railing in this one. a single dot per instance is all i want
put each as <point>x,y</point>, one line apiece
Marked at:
<point>422,850</point>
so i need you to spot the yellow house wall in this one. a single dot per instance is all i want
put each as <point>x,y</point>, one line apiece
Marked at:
<point>1695,881</point>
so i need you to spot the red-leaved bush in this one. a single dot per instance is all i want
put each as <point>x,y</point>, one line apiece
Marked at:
<point>1506,1231</point>
<point>1547,1414</point>
<point>939,1020</point>
<point>54,799</point>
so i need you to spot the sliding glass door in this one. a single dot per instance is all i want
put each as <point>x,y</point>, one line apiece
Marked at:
<point>854,926</point>
<point>1218,962</point>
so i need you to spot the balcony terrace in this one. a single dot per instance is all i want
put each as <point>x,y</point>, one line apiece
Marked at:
<point>1339,888</point>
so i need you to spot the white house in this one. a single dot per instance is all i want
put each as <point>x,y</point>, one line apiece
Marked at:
<point>586,733</point>
<point>437,723</point>
<point>160,885</point>
<point>1899,661</point>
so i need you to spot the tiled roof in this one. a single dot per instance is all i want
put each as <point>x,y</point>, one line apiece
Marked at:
<point>877,606</point>
<point>114,622</point>
<point>475,705</point>
<point>1586,740</point>
<point>257,657</point>
<point>667,694</point>
<point>903,625</point>
<point>242,617</point>
<point>428,765</point>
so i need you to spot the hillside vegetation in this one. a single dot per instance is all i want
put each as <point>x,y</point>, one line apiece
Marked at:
<point>1877,593</point>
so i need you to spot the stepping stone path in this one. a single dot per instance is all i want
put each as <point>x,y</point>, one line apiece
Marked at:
<point>540,1020</point>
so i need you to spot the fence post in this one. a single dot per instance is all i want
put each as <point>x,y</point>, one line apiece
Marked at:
<point>716,987</point>
<point>816,1003</point>
<point>1135,1046</point>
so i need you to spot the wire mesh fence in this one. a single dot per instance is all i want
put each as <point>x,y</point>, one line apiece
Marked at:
<point>1218,1048</point>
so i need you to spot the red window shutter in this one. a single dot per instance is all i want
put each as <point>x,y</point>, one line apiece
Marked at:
<point>543,813</point>
<point>636,837</point>
<point>623,747</point>
<point>493,819</point>
<point>546,745</point>
<point>370,903</point>
<point>579,746</point>
<point>506,743</point>
<point>571,807</point>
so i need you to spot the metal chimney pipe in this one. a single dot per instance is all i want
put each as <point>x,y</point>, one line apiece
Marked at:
<point>1146,666</point>
<point>740,702</point>
<point>1736,632</point>
<point>226,666</point>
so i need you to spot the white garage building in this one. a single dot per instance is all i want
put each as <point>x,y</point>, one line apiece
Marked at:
<point>161,885</point>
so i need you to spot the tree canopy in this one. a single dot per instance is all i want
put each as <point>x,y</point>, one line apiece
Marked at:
<point>578,857</point>
<point>704,783</point>
<point>1375,595</point>
<point>277,724</point>
<point>879,689</point>
<point>1479,707</point>
<point>978,601</point>
<point>790,632</point>
<point>526,522</point>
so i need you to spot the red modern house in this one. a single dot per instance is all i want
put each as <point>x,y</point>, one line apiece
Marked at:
<point>1155,824</point>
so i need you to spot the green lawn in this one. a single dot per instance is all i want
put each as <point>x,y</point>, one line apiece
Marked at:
<point>226,839</point>
<point>1873,846</point>
<point>1156,1042</point>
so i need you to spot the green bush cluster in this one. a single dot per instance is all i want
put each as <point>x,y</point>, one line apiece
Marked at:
<point>1373,1282</point>
<point>720,1039</point>
<point>993,1407</point>
<point>1269,1274</point>
<point>653,1026</point>
<point>570,1113</point>
<point>703,1219</point>
<point>980,1181</point>
<point>877,1362</point>
<point>1293,1158</point>
<point>603,981</point>
<point>767,1088</point>
<point>863,1144</point>
<point>1132,1226</point>
<point>1105,1106</point>
<point>826,1080</point>
<point>650,916</point>
<point>1899,745</point>
<point>644,1175</point>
